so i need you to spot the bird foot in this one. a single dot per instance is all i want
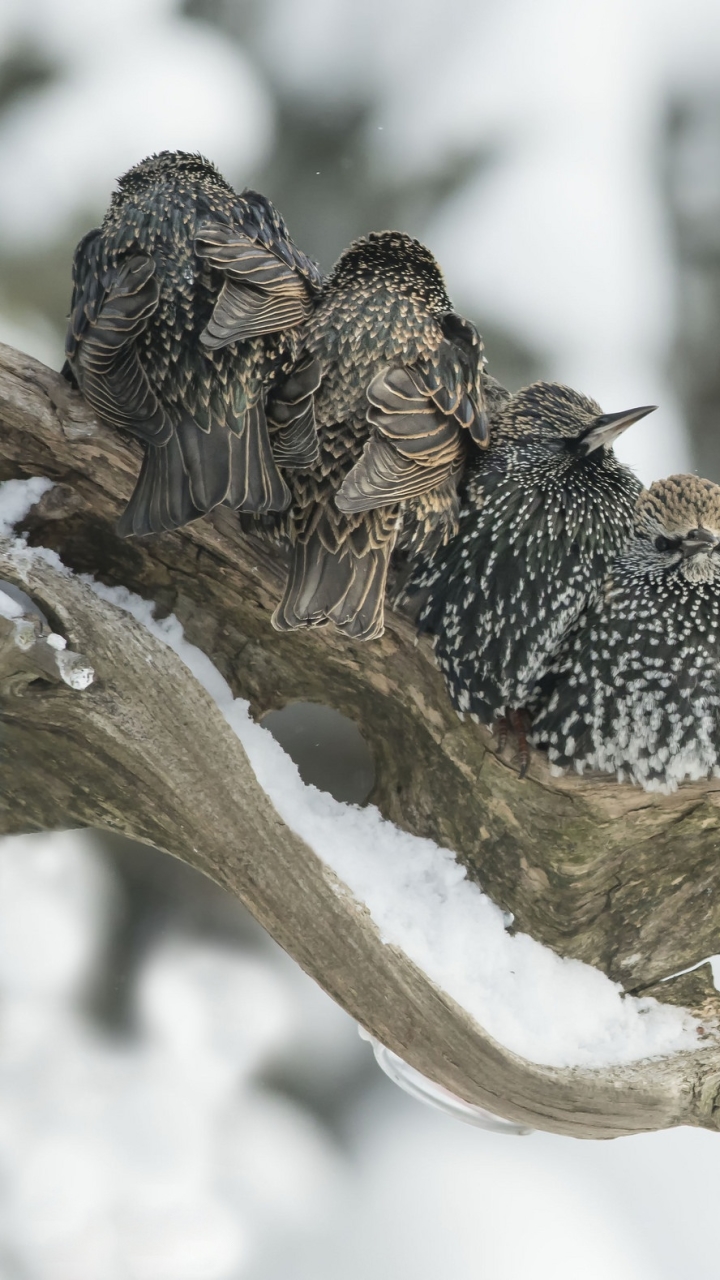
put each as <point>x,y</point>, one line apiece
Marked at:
<point>502,729</point>
<point>520,723</point>
<point>516,721</point>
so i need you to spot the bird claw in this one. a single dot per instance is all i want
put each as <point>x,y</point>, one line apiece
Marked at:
<point>520,723</point>
<point>516,721</point>
<point>502,728</point>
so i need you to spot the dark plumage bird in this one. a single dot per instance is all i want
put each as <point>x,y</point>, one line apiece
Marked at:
<point>635,690</point>
<point>398,408</point>
<point>186,331</point>
<point>545,512</point>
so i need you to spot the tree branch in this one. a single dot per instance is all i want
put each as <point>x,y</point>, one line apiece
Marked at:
<point>609,874</point>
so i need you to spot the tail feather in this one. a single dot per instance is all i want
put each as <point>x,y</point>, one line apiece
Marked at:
<point>291,417</point>
<point>161,499</point>
<point>339,586</point>
<point>255,482</point>
<point>295,443</point>
<point>197,470</point>
<point>233,467</point>
<point>206,458</point>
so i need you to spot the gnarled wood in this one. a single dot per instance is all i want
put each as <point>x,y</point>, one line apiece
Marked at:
<point>622,879</point>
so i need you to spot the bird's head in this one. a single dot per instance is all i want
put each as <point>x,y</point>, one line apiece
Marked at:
<point>679,520</point>
<point>181,168</point>
<point>392,259</point>
<point>561,424</point>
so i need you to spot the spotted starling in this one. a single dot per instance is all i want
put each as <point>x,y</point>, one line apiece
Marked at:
<point>399,406</point>
<point>545,511</point>
<point>635,689</point>
<point>186,331</point>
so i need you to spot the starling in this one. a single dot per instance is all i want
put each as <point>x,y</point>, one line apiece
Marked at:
<point>544,513</point>
<point>186,331</point>
<point>398,408</point>
<point>635,689</point>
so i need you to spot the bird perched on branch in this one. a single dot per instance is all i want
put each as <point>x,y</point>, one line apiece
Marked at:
<point>546,510</point>
<point>399,405</point>
<point>186,331</point>
<point>635,689</point>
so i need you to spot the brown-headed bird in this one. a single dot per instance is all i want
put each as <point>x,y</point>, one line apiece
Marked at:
<point>186,331</point>
<point>399,405</point>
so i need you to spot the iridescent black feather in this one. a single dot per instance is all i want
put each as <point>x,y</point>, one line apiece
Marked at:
<point>187,320</point>
<point>546,510</point>
<point>635,689</point>
<point>399,407</point>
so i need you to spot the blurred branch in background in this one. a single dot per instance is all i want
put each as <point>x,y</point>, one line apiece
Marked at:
<point>33,285</point>
<point>692,183</point>
<point>23,69</point>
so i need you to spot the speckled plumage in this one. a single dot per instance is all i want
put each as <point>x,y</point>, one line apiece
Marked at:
<point>546,510</point>
<point>186,320</point>
<point>635,690</point>
<point>399,405</point>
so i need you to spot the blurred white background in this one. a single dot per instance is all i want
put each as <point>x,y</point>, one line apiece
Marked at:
<point>177,1101</point>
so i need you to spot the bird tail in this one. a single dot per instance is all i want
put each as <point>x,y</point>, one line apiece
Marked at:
<point>291,417</point>
<point>335,584</point>
<point>198,470</point>
<point>162,499</point>
<point>233,467</point>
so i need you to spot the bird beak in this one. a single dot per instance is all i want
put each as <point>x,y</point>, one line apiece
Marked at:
<point>698,540</point>
<point>606,428</point>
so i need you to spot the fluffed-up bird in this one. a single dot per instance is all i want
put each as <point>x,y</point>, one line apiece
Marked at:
<point>399,406</point>
<point>186,331</point>
<point>635,689</point>
<point>545,512</point>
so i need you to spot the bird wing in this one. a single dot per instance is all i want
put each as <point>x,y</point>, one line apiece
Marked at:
<point>291,416</point>
<point>110,312</point>
<point>467,349</point>
<point>206,448</point>
<point>418,415</point>
<point>260,293</point>
<point>87,290</point>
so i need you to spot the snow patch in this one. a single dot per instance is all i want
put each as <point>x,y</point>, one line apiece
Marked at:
<point>73,671</point>
<point>17,497</point>
<point>544,1008</point>
<point>547,1009</point>
<point>25,636</point>
<point>9,608</point>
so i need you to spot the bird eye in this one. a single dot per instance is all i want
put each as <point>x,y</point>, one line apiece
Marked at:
<point>666,544</point>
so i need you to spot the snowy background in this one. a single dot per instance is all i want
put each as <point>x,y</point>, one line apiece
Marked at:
<point>176,1099</point>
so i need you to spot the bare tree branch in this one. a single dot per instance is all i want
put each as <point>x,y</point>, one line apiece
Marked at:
<point>609,874</point>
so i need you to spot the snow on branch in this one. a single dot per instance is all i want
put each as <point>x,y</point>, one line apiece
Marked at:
<point>128,739</point>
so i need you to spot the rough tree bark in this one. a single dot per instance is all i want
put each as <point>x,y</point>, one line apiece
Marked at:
<point>608,874</point>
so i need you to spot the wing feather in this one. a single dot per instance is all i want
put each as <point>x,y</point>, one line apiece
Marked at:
<point>291,417</point>
<point>104,357</point>
<point>419,415</point>
<point>260,294</point>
